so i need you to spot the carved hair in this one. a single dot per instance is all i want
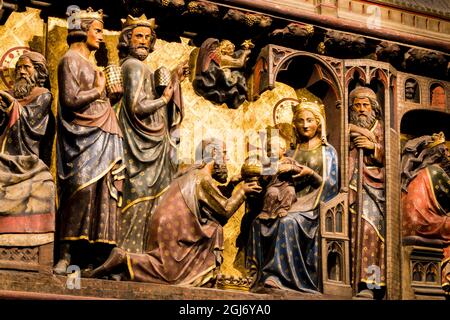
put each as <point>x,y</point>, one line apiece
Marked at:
<point>80,35</point>
<point>365,92</point>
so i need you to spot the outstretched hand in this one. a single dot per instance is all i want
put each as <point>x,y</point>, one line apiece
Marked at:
<point>6,98</point>
<point>285,167</point>
<point>182,71</point>
<point>251,187</point>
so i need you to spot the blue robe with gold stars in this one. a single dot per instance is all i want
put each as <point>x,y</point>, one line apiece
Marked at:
<point>285,250</point>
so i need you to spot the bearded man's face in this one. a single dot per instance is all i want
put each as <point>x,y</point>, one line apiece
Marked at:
<point>25,78</point>
<point>220,170</point>
<point>140,42</point>
<point>362,113</point>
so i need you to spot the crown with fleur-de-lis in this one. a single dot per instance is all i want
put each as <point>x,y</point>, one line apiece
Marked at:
<point>89,13</point>
<point>141,21</point>
<point>437,139</point>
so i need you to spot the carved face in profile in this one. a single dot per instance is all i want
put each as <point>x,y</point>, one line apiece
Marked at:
<point>140,42</point>
<point>94,35</point>
<point>306,124</point>
<point>220,170</point>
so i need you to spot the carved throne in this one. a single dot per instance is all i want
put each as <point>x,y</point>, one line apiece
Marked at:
<point>31,252</point>
<point>335,246</point>
<point>421,272</point>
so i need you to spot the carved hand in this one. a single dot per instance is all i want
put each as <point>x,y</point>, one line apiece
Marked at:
<point>250,187</point>
<point>355,131</point>
<point>236,178</point>
<point>168,92</point>
<point>100,81</point>
<point>182,71</point>
<point>283,168</point>
<point>6,100</point>
<point>303,171</point>
<point>364,142</point>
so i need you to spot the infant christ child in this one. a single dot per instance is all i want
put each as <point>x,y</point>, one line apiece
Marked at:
<point>280,191</point>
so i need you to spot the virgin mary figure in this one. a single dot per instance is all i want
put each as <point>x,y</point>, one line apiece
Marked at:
<point>284,253</point>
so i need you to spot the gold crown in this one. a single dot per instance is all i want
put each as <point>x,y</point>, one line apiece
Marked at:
<point>437,139</point>
<point>141,21</point>
<point>89,13</point>
<point>233,282</point>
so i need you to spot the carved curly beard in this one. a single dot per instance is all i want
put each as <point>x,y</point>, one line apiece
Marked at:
<point>363,122</point>
<point>138,53</point>
<point>23,86</point>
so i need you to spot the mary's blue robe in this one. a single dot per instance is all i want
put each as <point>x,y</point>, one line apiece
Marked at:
<point>286,250</point>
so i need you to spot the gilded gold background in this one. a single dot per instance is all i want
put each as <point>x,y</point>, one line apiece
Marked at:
<point>202,118</point>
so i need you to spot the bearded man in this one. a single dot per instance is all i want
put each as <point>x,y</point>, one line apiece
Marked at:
<point>148,120</point>
<point>27,190</point>
<point>367,134</point>
<point>186,231</point>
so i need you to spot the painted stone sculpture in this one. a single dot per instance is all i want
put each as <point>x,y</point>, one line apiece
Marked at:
<point>27,190</point>
<point>89,150</point>
<point>148,118</point>
<point>218,72</point>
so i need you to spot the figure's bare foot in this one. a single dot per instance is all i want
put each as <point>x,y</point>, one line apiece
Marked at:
<point>269,283</point>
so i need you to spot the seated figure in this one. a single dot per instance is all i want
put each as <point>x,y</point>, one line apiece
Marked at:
<point>280,192</point>
<point>186,234</point>
<point>27,190</point>
<point>283,253</point>
<point>426,202</point>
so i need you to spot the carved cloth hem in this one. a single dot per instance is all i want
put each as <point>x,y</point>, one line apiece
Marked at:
<point>27,195</point>
<point>425,210</point>
<point>149,154</point>
<point>285,251</point>
<point>91,213</point>
<point>184,249</point>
